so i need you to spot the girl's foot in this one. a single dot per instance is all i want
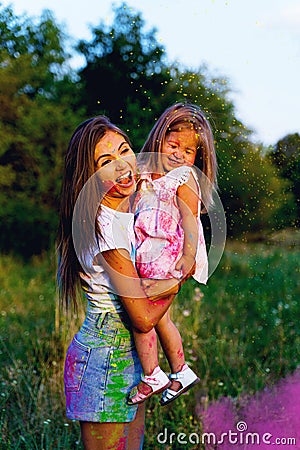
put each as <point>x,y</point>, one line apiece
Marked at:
<point>183,381</point>
<point>151,384</point>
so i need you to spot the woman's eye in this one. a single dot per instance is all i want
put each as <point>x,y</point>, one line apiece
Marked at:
<point>104,163</point>
<point>125,150</point>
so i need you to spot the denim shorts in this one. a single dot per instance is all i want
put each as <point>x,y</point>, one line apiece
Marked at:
<point>101,368</point>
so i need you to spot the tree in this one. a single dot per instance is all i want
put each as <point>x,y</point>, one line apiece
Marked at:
<point>125,73</point>
<point>35,123</point>
<point>127,78</point>
<point>286,157</point>
<point>249,187</point>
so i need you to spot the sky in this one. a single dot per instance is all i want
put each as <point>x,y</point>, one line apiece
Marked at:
<point>255,44</point>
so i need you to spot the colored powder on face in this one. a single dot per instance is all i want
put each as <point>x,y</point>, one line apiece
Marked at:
<point>273,412</point>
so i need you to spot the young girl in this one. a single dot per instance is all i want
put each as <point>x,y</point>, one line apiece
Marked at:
<point>96,248</point>
<point>169,233</point>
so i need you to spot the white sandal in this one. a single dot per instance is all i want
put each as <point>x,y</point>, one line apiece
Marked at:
<point>186,377</point>
<point>157,380</point>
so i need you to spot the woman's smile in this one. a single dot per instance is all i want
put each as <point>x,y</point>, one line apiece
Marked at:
<point>126,179</point>
<point>115,163</point>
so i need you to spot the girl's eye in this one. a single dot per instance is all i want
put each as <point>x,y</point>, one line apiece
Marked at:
<point>125,150</point>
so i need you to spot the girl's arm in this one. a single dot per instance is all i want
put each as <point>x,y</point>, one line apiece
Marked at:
<point>144,312</point>
<point>188,202</point>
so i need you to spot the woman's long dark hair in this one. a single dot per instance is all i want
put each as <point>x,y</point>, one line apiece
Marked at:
<point>79,168</point>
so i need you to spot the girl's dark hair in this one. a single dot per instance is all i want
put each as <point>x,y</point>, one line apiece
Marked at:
<point>79,168</point>
<point>181,116</point>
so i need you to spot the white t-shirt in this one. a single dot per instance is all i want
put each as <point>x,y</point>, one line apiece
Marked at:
<point>117,232</point>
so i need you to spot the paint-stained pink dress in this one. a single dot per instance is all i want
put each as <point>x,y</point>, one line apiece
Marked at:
<point>159,234</point>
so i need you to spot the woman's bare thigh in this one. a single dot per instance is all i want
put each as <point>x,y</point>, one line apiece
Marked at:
<point>114,436</point>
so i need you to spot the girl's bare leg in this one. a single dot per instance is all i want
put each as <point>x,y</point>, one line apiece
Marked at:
<point>171,343</point>
<point>146,346</point>
<point>114,436</point>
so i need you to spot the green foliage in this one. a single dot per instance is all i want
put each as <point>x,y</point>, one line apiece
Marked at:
<point>253,195</point>
<point>241,334</point>
<point>36,122</point>
<point>120,80</point>
<point>31,400</point>
<point>128,78</point>
<point>125,73</point>
<point>286,157</point>
<point>36,49</point>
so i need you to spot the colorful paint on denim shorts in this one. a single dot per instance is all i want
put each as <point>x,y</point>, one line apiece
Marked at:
<point>101,368</point>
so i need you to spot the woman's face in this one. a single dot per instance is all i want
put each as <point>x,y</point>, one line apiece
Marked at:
<point>115,163</point>
<point>179,148</point>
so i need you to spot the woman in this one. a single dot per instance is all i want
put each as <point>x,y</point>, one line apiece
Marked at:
<point>96,250</point>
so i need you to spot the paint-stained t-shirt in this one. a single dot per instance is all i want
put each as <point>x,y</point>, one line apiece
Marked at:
<point>116,233</point>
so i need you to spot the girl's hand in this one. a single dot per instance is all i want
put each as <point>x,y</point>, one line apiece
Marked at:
<point>147,282</point>
<point>158,289</point>
<point>186,264</point>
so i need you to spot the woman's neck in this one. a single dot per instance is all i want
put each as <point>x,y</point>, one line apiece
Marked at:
<point>118,204</point>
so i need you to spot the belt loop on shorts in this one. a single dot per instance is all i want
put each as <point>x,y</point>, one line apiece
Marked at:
<point>101,319</point>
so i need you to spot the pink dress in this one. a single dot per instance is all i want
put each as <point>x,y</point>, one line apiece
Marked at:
<point>158,229</point>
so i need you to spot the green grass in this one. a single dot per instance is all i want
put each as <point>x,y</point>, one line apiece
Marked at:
<point>241,333</point>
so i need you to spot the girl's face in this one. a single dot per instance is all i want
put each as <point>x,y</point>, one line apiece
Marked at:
<point>179,148</point>
<point>115,163</point>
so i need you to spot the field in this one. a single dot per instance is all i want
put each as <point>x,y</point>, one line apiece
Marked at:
<point>241,334</point>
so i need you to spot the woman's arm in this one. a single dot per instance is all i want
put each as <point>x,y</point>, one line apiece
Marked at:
<point>143,312</point>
